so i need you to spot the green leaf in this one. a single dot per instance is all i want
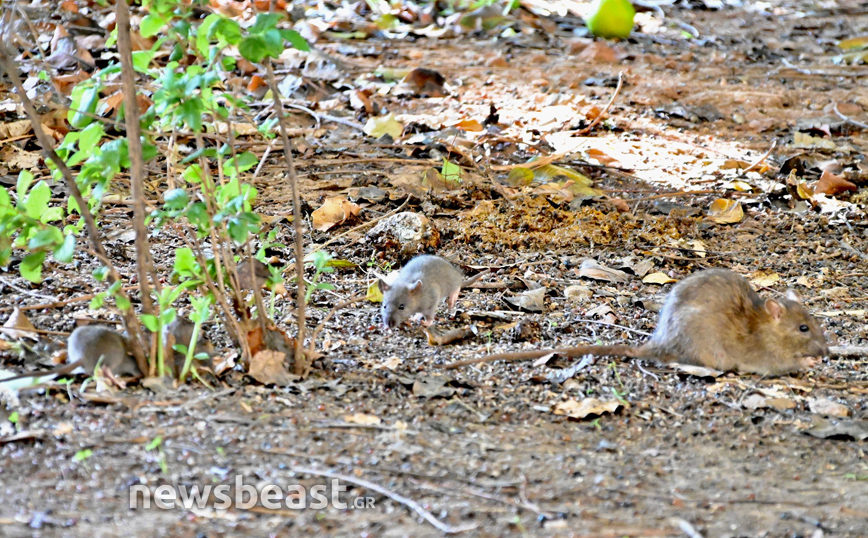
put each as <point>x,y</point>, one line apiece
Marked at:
<point>167,316</point>
<point>191,112</point>
<point>229,31</point>
<point>64,252</point>
<point>100,273</point>
<point>295,40</point>
<point>142,60</point>
<point>13,417</point>
<point>122,302</point>
<point>52,214</point>
<point>46,237</point>
<point>193,174</point>
<point>150,322</point>
<point>253,48</point>
<point>37,200</point>
<point>25,179</point>
<point>273,42</point>
<point>31,267</point>
<point>5,200</point>
<point>176,199</point>
<point>451,173</point>
<point>90,137</point>
<point>157,441</point>
<point>151,25</point>
<point>82,455</point>
<point>98,300</point>
<point>264,22</point>
<point>84,101</point>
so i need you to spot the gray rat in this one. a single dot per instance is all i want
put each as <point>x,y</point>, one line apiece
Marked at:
<point>715,319</point>
<point>88,346</point>
<point>181,332</point>
<point>420,288</point>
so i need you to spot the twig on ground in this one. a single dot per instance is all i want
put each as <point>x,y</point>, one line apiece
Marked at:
<point>762,158</point>
<point>602,113</point>
<point>472,492</point>
<point>409,503</point>
<point>849,351</point>
<point>848,119</point>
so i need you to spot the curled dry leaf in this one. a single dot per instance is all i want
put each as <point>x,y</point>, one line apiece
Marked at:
<point>438,338</point>
<point>830,184</point>
<point>723,211</point>
<point>588,406</point>
<point>593,270</point>
<point>530,300</point>
<point>335,210</point>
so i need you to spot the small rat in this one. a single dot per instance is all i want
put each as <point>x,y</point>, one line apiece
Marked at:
<point>88,346</point>
<point>182,331</point>
<point>715,319</point>
<point>420,288</point>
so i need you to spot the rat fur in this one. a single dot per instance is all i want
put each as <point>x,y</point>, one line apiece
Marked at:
<point>715,319</point>
<point>420,288</point>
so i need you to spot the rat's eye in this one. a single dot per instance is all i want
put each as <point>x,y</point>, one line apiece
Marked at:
<point>804,328</point>
<point>400,307</point>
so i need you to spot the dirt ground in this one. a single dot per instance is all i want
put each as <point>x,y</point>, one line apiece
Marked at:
<point>486,450</point>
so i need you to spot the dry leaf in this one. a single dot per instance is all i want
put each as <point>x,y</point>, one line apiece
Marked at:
<point>269,368</point>
<point>765,279</point>
<point>831,184</point>
<point>363,419</point>
<point>530,300</point>
<point>658,278</point>
<point>588,406</point>
<point>335,210</point>
<point>384,125</point>
<point>825,429</point>
<point>823,406</point>
<point>723,211</point>
<point>592,269</point>
<point>19,321</point>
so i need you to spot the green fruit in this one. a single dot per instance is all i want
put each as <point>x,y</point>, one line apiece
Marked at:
<point>611,18</point>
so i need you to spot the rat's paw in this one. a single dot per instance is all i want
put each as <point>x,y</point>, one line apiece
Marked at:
<point>807,363</point>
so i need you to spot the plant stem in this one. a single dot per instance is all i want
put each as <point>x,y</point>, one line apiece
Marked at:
<point>300,360</point>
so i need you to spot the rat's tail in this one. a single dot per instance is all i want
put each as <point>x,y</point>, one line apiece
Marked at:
<point>474,278</point>
<point>620,350</point>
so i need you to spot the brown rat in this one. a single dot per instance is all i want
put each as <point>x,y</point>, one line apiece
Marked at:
<point>420,288</point>
<point>88,346</point>
<point>715,319</point>
<point>181,331</point>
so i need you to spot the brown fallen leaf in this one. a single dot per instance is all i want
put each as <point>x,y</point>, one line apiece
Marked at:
<point>723,211</point>
<point>335,210</point>
<point>437,338</point>
<point>269,368</point>
<point>588,406</point>
<point>19,321</point>
<point>831,184</point>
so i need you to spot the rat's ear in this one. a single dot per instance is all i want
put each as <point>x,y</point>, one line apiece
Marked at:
<point>774,309</point>
<point>383,286</point>
<point>416,287</point>
<point>793,295</point>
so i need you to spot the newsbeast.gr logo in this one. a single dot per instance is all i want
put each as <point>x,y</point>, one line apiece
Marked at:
<point>244,496</point>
